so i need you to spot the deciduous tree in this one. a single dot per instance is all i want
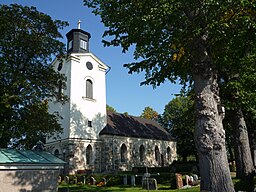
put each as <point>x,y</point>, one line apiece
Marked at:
<point>149,113</point>
<point>28,41</point>
<point>179,119</point>
<point>180,39</point>
<point>238,96</point>
<point>111,109</point>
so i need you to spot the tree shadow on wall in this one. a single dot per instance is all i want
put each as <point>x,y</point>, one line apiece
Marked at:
<point>33,180</point>
<point>80,126</point>
<point>81,130</point>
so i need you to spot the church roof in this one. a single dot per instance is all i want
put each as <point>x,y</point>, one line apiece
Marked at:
<point>31,157</point>
<point>131,126</point>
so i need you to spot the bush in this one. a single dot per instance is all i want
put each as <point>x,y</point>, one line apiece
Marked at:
<point>114,180</point>
<point>185,167</point>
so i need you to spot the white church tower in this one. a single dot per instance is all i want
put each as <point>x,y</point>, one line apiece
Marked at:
<point>84,116</point>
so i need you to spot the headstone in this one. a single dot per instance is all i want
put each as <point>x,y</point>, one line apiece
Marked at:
<point>187,179</point>
<point>179,182</point>
<point>133,180</point>
<point>149,184</point>
<point>104,180</point>
<point>196,181</point>
<point>125,180</point>
<point>92,181</point>
<point>191,180</point>
<point>66,179</point>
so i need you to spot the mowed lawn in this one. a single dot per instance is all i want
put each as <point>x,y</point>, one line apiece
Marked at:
<point>83,188</point>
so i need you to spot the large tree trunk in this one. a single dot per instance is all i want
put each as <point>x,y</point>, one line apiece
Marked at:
<point>209,132</point>
<point>252,142</point>
<point>253,147</point>
<point>243,157</point>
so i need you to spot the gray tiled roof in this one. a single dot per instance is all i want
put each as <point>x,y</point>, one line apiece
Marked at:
<point>131,126</point>
<point>13,156</point>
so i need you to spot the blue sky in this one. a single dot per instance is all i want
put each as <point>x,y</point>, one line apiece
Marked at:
<point>124,92</point>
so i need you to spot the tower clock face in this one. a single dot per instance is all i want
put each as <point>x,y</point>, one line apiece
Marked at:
<point>89,65</point>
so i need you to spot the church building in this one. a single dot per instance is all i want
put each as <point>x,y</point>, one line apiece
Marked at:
<point>94,139</point>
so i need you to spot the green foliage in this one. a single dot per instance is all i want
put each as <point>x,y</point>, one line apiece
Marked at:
<point>163,33</point>
<point>28,41</point>
<point>179,120</point>
<point>243,185</point>
<point>149,113</point>
<point>186,40</point>
<point>114,180</point>
<point>111,109</point>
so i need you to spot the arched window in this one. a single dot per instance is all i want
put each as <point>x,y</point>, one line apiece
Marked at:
<point>88,154</point>
<point>157,154</point>
<point>123,153</point>
<point>89,89</point>
<point>56,153</point>
<point>168,153</point>
<point>142,153</point>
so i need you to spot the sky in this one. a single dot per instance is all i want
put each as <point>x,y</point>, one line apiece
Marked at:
<point>124,92</point>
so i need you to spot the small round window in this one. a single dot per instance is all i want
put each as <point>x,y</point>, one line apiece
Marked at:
<point>89,65</point>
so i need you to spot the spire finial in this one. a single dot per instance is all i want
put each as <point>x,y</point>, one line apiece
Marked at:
<point>78,24</point>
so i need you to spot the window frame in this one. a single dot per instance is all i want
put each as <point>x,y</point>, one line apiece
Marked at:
<point>83,44</point>
<point>89,89</point>
<point>123,153</point>
<point>88,154</point>
<point>142,153</point>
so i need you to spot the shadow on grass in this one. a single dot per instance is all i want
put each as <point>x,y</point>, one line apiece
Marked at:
<point>90,188</point>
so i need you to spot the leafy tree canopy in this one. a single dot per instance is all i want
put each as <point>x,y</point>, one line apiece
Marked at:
<point>163,32</point>
<point>185,39</point>
<point>149,113</point>
<point>179,120</point>
<point>111,109</point>
<point>28,41</point>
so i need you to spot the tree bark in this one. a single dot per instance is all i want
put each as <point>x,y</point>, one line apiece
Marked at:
<point>243,157</point>
<point>252,142</point>
<point>209,132</point>
<point>253,148</point>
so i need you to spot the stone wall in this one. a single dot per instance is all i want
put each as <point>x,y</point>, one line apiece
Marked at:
<point>73,151</point>
<point>111,153</point>
<point>106,154</point>
<point>29,180</point>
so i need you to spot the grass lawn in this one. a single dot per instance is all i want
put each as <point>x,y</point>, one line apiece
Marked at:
<point>83,188</point>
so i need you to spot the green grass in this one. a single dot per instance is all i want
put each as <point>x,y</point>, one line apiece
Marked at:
<point>126,188</point>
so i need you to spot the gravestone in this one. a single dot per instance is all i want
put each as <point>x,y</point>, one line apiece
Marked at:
<point>125,180</point>
<point>179,182</point>
<point>92,181</point>
<point>133,180</point>
<point>196,180</point>
<point>149,184</point>
<point>187,178</point>
<point>66,179</point>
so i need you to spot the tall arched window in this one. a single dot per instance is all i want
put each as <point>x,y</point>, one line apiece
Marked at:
<point>157,154</point>
<point>88,154</point>
<point>56,153</point>
<point>89,89</point>
<point>123,153</point>
<point>168,153</point>
<point>142,153</point>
